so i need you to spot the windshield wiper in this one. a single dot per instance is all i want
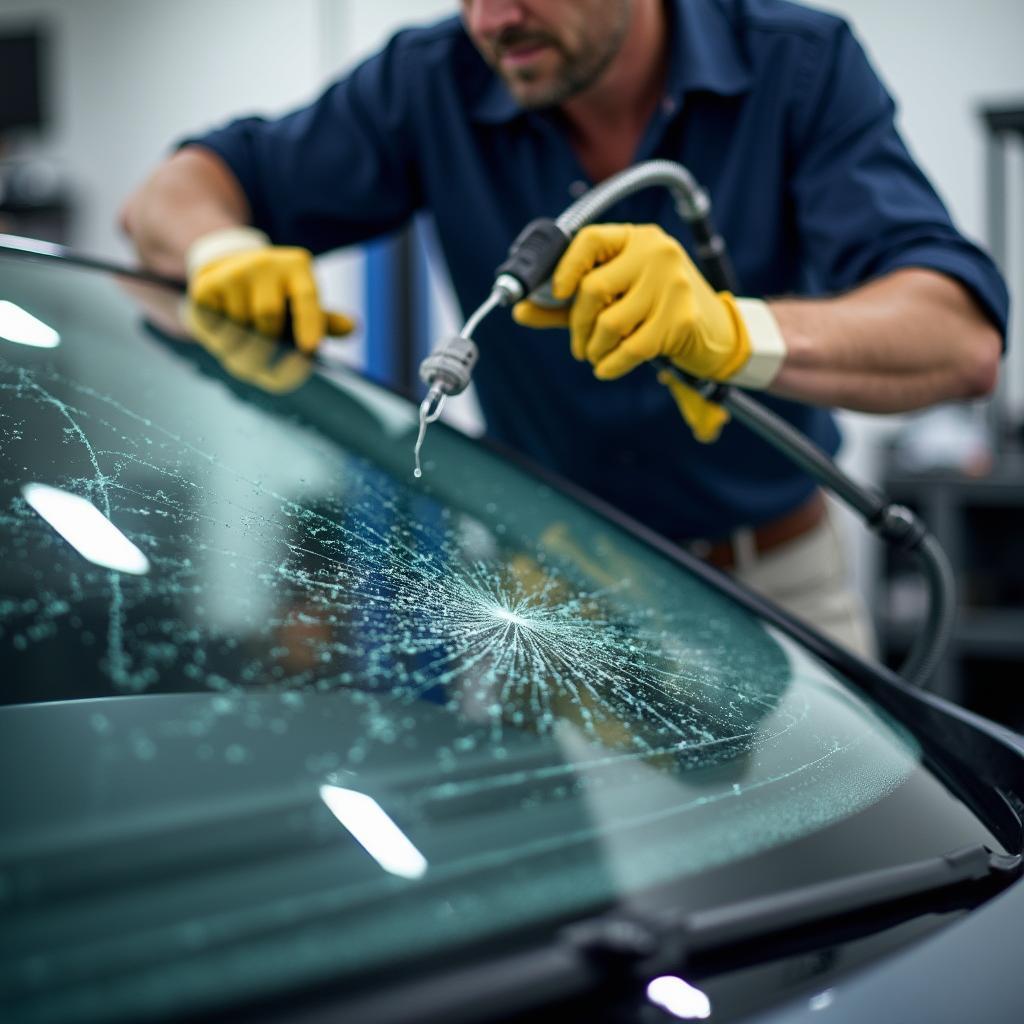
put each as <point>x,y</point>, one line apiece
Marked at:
<point>870,890</point>
<point>597,958</point>
<point>692,933</point>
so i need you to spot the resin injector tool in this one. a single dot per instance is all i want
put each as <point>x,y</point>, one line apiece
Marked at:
<point>531,260</point>
<point>533,256</point>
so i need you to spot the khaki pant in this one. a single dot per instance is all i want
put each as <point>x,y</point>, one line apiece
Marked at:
<point>808,577</point>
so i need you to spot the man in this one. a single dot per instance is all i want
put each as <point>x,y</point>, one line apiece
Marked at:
<point>506,116</point>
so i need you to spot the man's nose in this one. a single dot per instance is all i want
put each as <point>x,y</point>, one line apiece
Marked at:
<point>487,19</point>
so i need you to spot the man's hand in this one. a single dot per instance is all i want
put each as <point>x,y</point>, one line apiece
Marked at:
<point>639,296</point>
<point>237,272</point>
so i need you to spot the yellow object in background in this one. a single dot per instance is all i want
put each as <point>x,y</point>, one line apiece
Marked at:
<point>236,271</point>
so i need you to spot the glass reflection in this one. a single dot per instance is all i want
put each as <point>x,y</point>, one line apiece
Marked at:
<point>375,832</point>
<point>679,998</point>
<point>22,328</point>
<point>86,529</point>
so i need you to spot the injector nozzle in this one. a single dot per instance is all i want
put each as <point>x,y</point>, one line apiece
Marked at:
<point>448,370</point>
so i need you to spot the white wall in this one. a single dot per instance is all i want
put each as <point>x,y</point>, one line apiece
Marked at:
<point>133,75</point>
<point>367,24</point>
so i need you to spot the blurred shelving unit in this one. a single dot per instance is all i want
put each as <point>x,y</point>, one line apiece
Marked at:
<point>978,521</point>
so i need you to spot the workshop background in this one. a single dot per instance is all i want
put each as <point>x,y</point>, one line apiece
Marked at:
<point>120,80</point>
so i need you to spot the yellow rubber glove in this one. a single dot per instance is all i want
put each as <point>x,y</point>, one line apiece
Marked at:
<point>245,354</point>
<point>237,272</point>
<point>638,295</point>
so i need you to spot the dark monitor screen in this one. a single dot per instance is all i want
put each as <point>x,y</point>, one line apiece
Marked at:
<point>21,79</point>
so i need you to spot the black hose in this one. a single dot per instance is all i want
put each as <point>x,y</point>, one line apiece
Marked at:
<point>894,523</point>
<point>931,642</point>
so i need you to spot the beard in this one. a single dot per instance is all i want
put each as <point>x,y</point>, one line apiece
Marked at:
<point>578,68</point>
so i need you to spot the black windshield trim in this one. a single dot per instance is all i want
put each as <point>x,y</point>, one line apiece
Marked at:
<point>37,250</point>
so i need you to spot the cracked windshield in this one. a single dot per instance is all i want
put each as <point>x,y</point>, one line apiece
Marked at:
<point>509,675</point>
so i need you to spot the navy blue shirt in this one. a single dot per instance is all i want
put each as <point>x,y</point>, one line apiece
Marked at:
<point>773,107</point>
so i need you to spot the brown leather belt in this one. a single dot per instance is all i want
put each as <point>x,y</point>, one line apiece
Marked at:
<point>805,517</point>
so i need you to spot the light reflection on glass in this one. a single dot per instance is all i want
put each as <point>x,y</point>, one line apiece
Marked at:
<point>822,1001</point>
<point>679,998</point>
<point>21,327</point>
<point>371,827</point>
<point>86,529</point>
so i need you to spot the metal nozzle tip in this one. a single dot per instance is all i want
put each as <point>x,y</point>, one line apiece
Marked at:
<point>433,402</point>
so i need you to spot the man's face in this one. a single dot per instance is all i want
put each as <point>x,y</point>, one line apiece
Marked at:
<point>547,50</point>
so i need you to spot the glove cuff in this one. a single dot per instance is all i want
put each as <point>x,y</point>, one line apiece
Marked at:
<point>214,245</point>
<point>767,346</point>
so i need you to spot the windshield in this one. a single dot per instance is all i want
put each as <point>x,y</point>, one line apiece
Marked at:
<point>336,718</point>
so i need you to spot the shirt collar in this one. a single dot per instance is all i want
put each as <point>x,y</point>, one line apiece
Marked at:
<point>704,56</point>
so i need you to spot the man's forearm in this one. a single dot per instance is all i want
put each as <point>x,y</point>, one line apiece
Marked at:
<point>904,341</point>
<point>189,195</point>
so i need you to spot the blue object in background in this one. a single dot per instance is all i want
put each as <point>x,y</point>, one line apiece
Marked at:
<point>398,309</point>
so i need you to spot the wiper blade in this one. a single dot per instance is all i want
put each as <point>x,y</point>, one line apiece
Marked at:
<point>751,919</point>
<point>599,956</point>
<point>679,936</point>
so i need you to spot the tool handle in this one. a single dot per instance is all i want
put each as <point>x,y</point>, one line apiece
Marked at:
<point>535,253</point>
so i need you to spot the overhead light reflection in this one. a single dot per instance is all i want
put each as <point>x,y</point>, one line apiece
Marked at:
<point>371,827</point>
<point>679,998</point>
<point>21,327</point>
<point>86,529</point>
<point>823,1000</point>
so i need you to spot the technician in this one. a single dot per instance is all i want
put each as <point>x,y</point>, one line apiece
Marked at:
<point>858,291</point>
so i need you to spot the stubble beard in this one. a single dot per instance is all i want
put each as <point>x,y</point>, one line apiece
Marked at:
<point>578,71</point>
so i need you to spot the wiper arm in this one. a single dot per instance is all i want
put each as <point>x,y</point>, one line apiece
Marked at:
<point>812,904</point>
<point>681,936</point>
<point>611,952</point>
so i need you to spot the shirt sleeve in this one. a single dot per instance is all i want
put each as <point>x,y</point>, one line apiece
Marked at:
<point>863,206</point>
<point>338,171</point>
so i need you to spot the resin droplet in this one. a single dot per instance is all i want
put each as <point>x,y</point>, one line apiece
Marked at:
<point>418,472</point>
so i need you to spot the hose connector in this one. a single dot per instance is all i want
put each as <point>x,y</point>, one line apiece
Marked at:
<point>450,366</point>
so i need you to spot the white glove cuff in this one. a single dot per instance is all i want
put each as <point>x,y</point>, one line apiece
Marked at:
<point>222,242</point>
<point>767,346</point>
